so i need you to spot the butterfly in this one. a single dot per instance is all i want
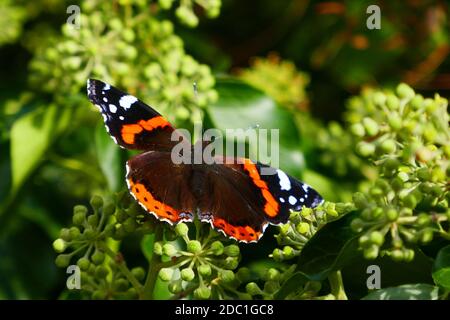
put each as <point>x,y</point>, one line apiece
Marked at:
<point>234,197</point>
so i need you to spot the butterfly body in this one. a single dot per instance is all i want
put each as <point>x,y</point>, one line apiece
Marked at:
<point>232,194</point>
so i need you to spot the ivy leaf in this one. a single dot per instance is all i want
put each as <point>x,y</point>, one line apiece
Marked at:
<point>110,158</point>
<point>147,243</point>
<point>441,268</point>
<point>296,281</point>
<point>31,136</point>
<point>241,106</point>
<point>331,248</point>
<point>419,291</point>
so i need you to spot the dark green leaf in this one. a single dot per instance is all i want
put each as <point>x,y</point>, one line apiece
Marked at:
<point>296,281</point>
<point>331,248</point>
<point>31,135</point>
<point>147,243</point>
<point>110,159</point>
<point>241,106</point>
<point>441,268</point>
<point>419,291</point>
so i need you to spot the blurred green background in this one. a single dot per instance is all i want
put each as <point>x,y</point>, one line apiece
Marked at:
<point>303,59</point>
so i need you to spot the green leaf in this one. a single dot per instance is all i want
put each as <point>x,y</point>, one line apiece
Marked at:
<point>331,248</point>
<point>419,291</point>
<point>110,158</point>
<point>241,106</point>
<point>296,281</point>
<point>147,243</point>
<point>441,268</point>
<point>31,136</point>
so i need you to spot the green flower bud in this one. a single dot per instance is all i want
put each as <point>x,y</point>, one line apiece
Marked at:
<point>217,248</point>
<point>358,130</point>
<point>371,126</point>
<point>96,202</point>
<point>392,102</point>
<point>166,274</point>
<point>138,273</point>
<point>169,250</point>
<point>59,245</point>
<point>165,4</point>
<point>202,293</point>
<point>423,219</point>
<point>158,248</point>
<point>364,241</point>
<point>376,238</point>
<point>417,102</point>
<point>306,212</point>
<point>277,254</point>
<point>302,228</point>
<point>93,220</point>
<point>98,257</point>
<point>288,252</point>
<point>231,250</point>
<point>83,263</point>
<point>404,91</point>
<point>410,201</point>
<point>388,146</point>
<point>62,260</point>
<point>101,272</point>
<point>395,121</point>
<point>253,289</point>
<point>226,276</point>
<point>365,149</point>
<point>359,199</point>
<point>194,246</point>
<point>231,263</point>
<point>64,234</point>
<point>204,270</point>
<point>120,285</point>
<point>79,218</point>
<point>371,252</point>
<point>181,229</point>
<point>74,233</point>
<point>186,16</point>
<point>426,235</point>
<point>272,274</point>
<point>392,214</point>
<point>408,255</point>
<point>187,274</point>
<point>397,255</point>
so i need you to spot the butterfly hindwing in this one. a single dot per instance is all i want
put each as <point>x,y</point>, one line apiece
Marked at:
<point>130,122</point>
<point>161,187</point>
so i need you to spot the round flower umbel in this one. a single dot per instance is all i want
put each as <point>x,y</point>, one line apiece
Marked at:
<point>90,244</point>
<point>203,267</point>
<point>407,137</point>
<point>303,225</point>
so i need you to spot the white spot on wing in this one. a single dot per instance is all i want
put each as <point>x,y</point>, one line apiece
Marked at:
<point>126,101</point>
<point>302,200</point>
<point>282,200</point>
<point>121,118</point>
<point>105,99</point>
<point>112,108</point>
<point>285,183</point>
<point>106,87</point>
<point>305,187</point>
<point>292,200</point>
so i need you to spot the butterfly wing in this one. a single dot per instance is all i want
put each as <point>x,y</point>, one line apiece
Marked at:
<point>160,186</point>
<point>130,122</point>
<point>241,201</point>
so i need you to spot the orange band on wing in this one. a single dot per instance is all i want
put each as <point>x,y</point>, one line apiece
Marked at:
<point>129,131</point>
<point>271,207</point>
<point>244,233</point>
<point>145,198</point>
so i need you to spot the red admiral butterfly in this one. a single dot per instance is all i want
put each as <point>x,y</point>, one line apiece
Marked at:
<point>234,198</point>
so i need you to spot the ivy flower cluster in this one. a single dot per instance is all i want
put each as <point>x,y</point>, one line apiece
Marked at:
<point>110,42</point>
<point>407,137</point>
